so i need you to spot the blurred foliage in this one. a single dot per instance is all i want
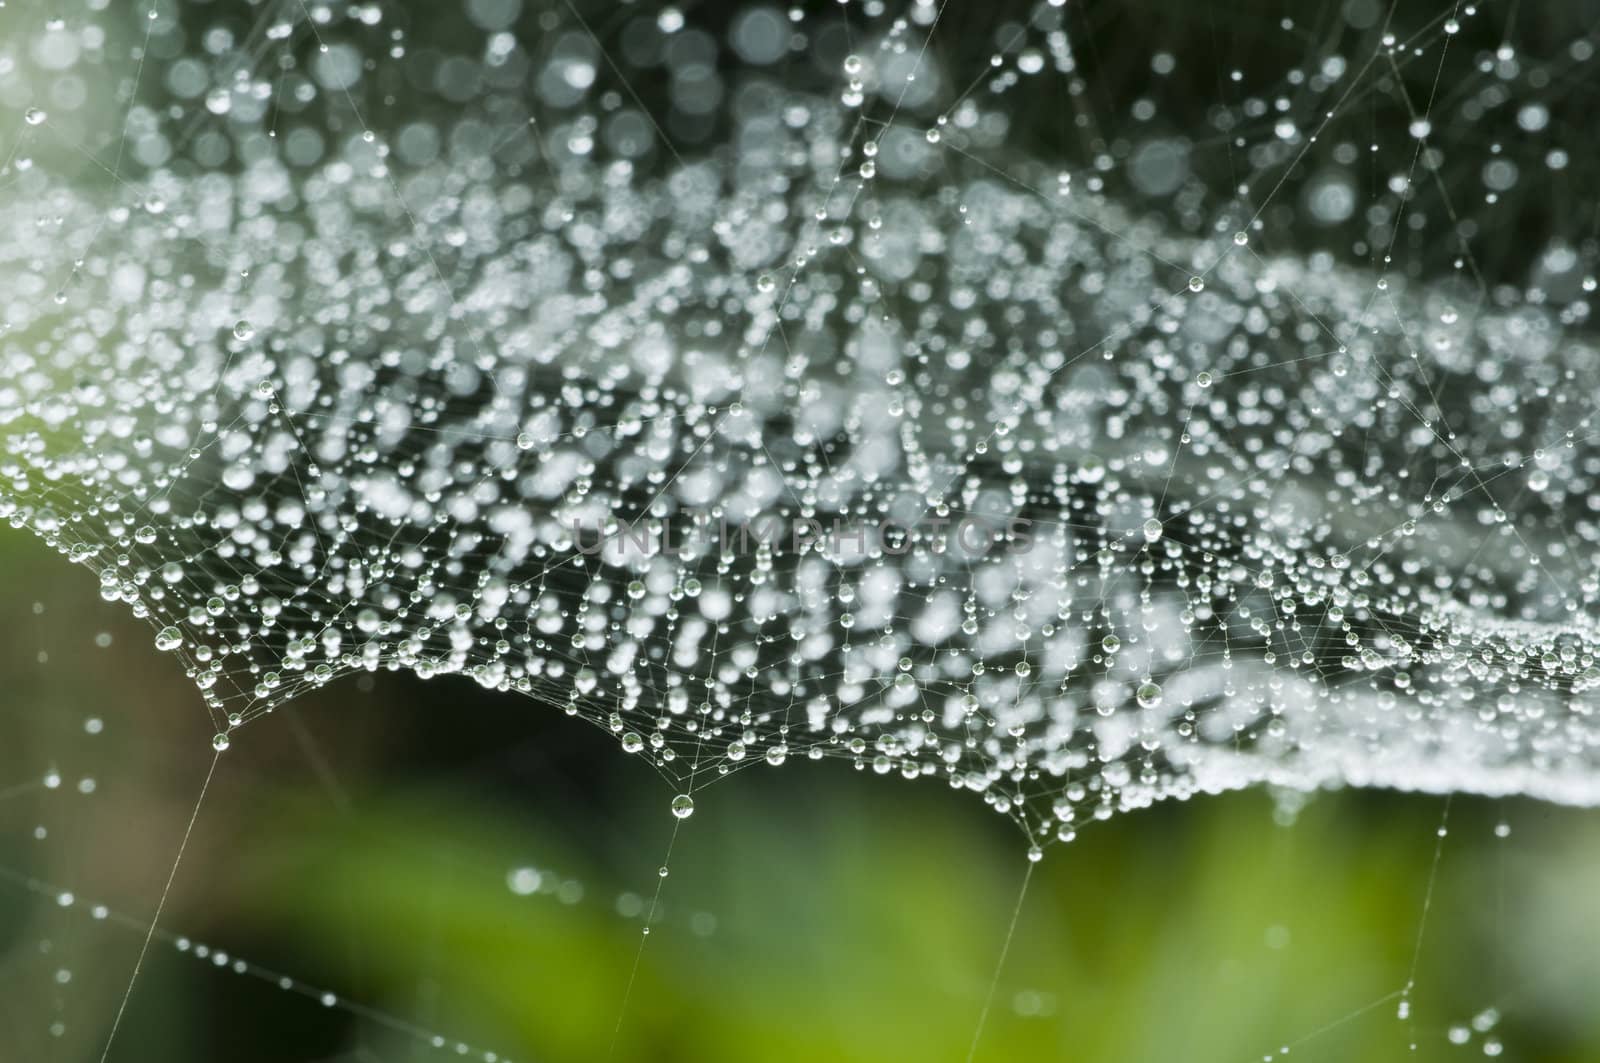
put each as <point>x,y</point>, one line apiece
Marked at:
<point>858,924</point>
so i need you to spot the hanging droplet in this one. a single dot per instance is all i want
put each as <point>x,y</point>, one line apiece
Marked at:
<point>683,806</point>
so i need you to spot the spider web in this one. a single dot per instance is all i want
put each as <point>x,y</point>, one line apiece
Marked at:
<point>889,440</point>
<point>879,382</point>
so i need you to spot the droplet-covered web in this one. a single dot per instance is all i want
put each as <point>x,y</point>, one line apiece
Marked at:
<point>777,385</point>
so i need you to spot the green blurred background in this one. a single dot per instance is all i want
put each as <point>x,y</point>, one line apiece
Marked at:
<point>477,867</point>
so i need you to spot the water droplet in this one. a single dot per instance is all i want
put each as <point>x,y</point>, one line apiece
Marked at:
<point>1197,284</point>
<point>219,742</point>
<point>683,806</point>
<point>34,116</point>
